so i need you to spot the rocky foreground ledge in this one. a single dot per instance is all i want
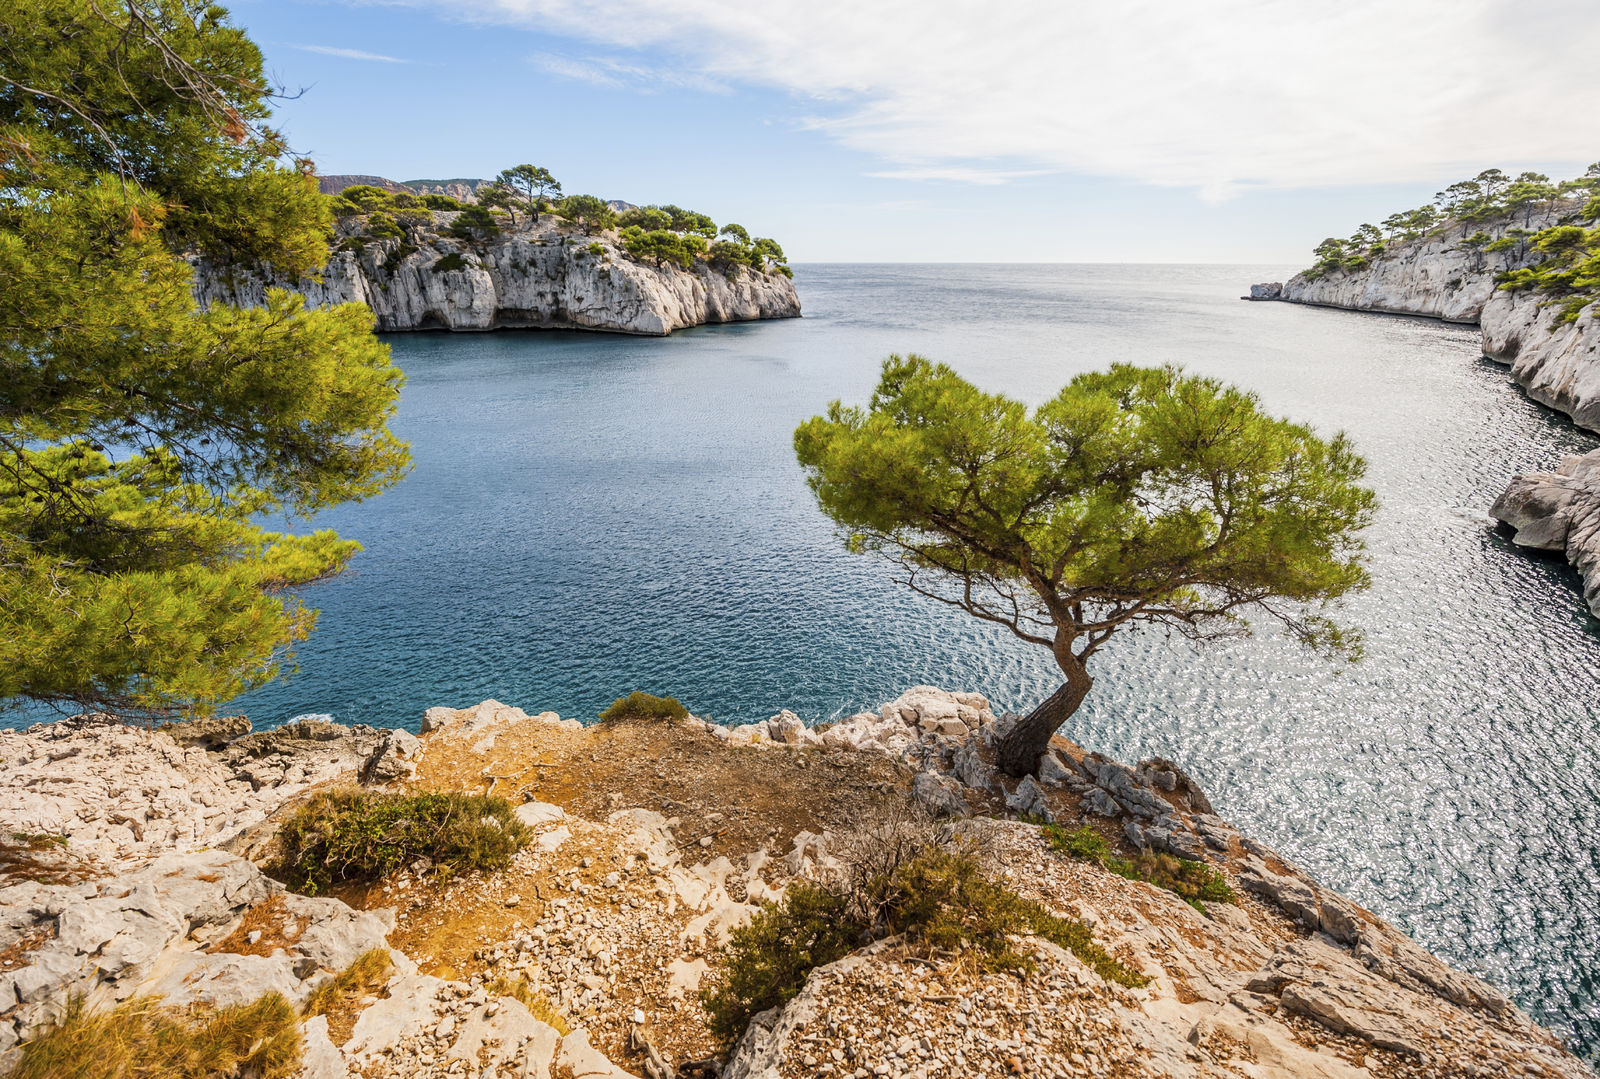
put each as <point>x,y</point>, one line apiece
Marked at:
<point>652,839</point>
<point>549,275</point>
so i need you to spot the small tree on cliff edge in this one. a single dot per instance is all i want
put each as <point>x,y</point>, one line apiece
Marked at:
<point>1133,497</point>
<point>532,183</point>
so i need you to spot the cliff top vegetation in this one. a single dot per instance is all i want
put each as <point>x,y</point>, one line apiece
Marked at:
<point>657,234</point>
<point>1561,260</point>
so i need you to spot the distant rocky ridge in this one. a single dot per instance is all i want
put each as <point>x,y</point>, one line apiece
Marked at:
<point>614,916</point>
<point>462,189</point>
<point>1556,362</point>
<point>549,275</point>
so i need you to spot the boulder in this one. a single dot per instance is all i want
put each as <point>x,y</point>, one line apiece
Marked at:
<point>939,795</point>
<point>788,728</point>
<point>1028,800</point>
<point>1559,511</point>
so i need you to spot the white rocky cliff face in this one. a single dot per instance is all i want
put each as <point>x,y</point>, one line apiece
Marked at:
<point>1555,360</point>
<point>542,276</point>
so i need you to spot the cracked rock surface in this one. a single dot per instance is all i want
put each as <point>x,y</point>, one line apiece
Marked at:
<point>652,841</point>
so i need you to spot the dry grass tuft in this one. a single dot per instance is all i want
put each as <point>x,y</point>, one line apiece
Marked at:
<point>278,928</point>
<point>41,857</point>
<point>342,997</point>
<point>536,1002</point>
<point>143,1039</point>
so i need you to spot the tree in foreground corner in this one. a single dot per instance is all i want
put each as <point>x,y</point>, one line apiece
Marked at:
<point>141,437</point>
<point>1135,497</point>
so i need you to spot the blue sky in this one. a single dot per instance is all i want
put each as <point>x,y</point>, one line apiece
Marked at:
<point>948,130</point>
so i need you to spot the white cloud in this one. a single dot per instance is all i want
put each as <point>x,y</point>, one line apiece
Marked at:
<point>614,74</point>
<point>960,174</point>
<point>1221,95</point>
<point>350,54</point>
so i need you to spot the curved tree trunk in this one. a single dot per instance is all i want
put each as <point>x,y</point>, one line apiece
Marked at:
<point>1023,745</point>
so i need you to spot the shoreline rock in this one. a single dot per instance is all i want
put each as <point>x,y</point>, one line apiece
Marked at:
<point>1559,511</point>
<point>538,276</point>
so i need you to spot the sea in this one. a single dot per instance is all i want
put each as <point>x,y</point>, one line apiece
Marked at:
<point>591,514</point>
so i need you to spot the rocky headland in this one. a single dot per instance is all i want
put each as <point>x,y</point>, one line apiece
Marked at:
<point>1555,360</point>
<point>134,869</point>
<point>549,275</point>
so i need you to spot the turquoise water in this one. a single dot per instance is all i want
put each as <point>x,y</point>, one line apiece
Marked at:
<point>591,515</point>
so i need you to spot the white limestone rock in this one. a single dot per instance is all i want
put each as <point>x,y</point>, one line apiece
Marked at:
<point>538,276</point>
<point>1559,511</point>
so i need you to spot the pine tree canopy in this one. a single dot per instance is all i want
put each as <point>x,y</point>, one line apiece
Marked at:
<point>142,438</point>
<point>1134,497</point>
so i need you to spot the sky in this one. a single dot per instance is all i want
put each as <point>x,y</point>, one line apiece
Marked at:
<point>1220,131</point>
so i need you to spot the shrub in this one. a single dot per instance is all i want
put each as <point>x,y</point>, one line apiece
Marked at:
<point>1193,882</point>
<point>769,957</point>
<point>452,261</point>
<point>351,835</point>
<point>937,897</point>
<point>367,197</point>
<point>474,222</point>
<point>596,250</point>
<point>441,202</point>
<point>941,900</point>
<point>144,1039</point>
<point>380,225</point>
<point>637,705</point>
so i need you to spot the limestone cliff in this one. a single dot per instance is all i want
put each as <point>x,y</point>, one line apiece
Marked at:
<point>132,870</point>
<point>1556,361</point>
<point>1437,276</point>
<point>544,276</point>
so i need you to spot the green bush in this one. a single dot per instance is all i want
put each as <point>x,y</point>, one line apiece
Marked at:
<point>637,705</point>
<point>357,835</point>
<point>441,202</point>
<point>769,957</point>
<point>473,223</point>
<point>380,225</point>
<point>596,249</point>
<point>452,261</point>
<point>941,900</point>
<point>1193,882</point>
<point>938,898</point>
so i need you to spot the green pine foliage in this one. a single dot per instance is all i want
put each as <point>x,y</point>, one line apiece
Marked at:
<point>474,223</point>
<point>141,437</point>
<point>360,835</point>
<point>1135,497</point>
